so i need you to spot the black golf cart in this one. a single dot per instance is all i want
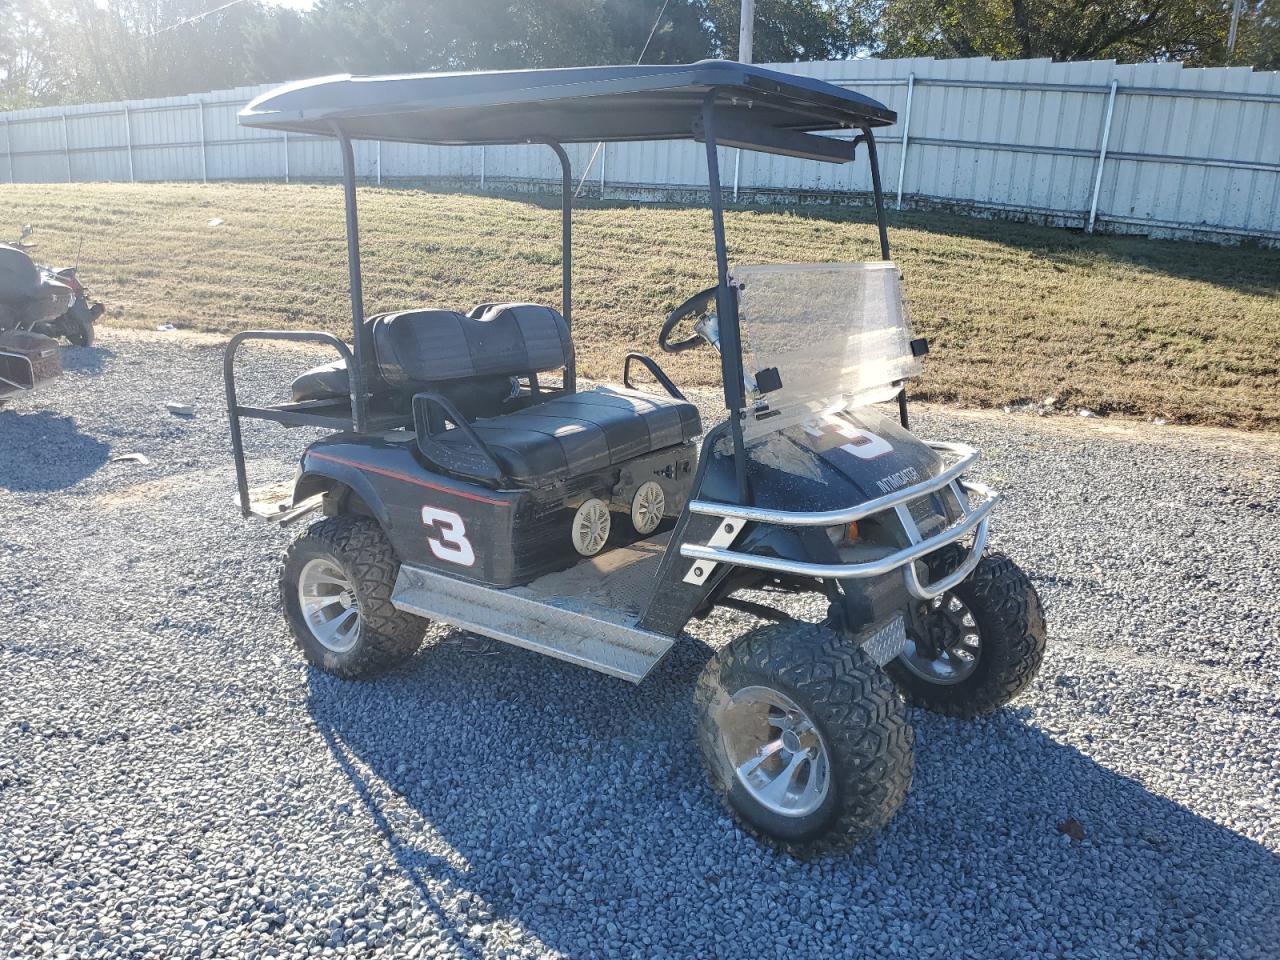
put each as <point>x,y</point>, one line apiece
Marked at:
<point>470,479</point>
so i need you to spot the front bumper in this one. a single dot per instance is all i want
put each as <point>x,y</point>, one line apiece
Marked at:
<point>973,520</point>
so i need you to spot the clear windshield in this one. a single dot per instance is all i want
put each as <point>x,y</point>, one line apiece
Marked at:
<point>837,335</point>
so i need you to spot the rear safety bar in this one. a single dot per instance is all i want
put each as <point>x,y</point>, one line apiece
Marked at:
<point>974,521</point>
<point>235,410</point>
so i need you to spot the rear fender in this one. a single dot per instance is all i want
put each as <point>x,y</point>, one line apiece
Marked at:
<point>325,476</point>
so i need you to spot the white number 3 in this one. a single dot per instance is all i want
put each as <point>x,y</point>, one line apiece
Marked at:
<point>865,446</point>
<point>448,536</point>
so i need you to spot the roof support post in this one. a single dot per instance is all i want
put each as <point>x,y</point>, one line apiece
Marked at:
<point>876,192</point>
<point>359,400</point>
<point>566,256</point>
<point>726,306</point>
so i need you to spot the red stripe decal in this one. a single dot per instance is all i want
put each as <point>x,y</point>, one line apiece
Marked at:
<point>396,475</point>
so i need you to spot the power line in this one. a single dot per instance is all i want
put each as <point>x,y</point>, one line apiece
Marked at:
<point>198,17</point>
<point>643,50</point>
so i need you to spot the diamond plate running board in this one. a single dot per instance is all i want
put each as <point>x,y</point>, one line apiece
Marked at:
<point>540,624</point>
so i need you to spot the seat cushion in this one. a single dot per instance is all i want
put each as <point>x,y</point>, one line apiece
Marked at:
<point>583,432</point>
<point>326,382</point>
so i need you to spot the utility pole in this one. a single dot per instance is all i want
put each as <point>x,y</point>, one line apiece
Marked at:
<point>1231,33</point>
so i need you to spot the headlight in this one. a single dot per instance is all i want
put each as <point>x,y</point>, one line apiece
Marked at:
<point>844,535</point>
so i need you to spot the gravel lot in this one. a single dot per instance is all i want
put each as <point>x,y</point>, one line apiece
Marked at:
<point>175,782</point>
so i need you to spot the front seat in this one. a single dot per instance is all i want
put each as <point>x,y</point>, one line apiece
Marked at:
<point>580,433</point>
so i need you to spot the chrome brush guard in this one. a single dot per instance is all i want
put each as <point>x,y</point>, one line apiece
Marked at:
<point>973,520</point>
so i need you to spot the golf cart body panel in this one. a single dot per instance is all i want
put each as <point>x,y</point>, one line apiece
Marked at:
<point>497,537</point>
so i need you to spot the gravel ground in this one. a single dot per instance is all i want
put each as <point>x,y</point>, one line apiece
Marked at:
<point>175,782</point>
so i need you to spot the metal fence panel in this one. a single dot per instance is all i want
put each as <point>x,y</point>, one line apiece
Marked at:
<point>1187,151</point>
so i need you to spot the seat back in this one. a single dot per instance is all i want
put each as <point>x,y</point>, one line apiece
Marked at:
<point>469,359</point>
<point>432,347</point>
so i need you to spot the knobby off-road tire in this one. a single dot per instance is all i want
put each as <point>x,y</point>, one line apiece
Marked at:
<point>854,707</point>
<point>1010,625</point>
<point>385,635</point>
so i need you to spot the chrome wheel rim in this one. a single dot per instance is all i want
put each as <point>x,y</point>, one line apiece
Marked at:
<point>648,507</point>
<point>957,646</point>
<point>776,751</point>
<point>328,603</point>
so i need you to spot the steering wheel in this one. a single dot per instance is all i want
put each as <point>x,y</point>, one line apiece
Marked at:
<point>699,305</point>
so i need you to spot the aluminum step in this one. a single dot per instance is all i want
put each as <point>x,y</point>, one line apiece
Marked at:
<point>564,627</point>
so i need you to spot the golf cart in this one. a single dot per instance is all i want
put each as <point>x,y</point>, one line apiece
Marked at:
<point>468,478</point>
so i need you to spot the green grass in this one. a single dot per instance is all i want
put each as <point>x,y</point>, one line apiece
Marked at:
<point>1144,328</point>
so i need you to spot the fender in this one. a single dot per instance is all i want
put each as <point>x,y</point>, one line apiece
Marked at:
<point>318,475</point>
<point>838,461</point>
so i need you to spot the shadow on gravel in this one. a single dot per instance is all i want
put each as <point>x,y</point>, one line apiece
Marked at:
<point>45,451</point>
<point>574,807</point>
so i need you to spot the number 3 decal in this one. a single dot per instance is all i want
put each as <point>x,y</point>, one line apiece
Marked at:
<point>865,446</point>
<point>447,537</point>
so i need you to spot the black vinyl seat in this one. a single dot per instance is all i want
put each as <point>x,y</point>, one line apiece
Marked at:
<point>470,358</point>
<point>473,360</point>
<point>583,432</point>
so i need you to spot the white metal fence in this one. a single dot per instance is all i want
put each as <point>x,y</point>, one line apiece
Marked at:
<point>1143,148</point>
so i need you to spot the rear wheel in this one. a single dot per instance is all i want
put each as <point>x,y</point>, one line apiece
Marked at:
<point>336,587</point>
<point>77,325</point>
<point>979,645</point>
<point>804,737</point>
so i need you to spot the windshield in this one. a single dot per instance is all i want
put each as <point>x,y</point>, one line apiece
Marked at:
<point>820,337</point>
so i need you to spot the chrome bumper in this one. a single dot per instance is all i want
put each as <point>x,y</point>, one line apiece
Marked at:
<point>974,520</point>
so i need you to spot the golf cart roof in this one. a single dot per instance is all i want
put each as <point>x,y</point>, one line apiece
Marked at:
<point>568,105</point>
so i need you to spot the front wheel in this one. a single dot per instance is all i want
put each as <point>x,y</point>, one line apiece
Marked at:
<point>804,737</point>
<point>336,587</point>
<point>978,646</point>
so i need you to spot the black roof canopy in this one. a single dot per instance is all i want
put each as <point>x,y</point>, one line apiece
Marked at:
<point>568,105</point>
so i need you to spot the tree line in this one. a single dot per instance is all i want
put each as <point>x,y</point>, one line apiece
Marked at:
<point>74,51</point>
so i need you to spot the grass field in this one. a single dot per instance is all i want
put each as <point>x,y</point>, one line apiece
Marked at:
<point>1187,332</point>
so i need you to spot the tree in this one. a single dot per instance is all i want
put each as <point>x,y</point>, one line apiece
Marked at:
<point>405,35</point>
<point>1192,31</point>
<point>154,48</point>
<point>788,30</point>
<point>33,69</point>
